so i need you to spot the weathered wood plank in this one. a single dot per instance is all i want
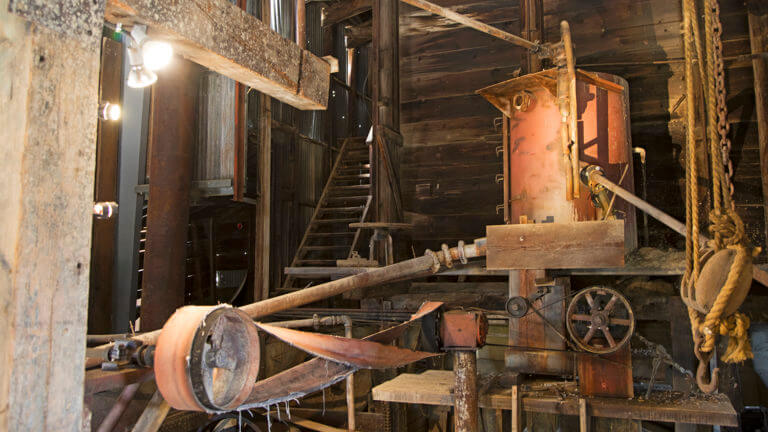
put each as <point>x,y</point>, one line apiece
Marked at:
<point>556,245</point>
<point>49,97</point>
<point>435,387</point>
<point>226,39</point>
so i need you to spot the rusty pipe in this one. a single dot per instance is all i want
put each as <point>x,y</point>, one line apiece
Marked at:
<point>350,380</point>
<point>570,65</point>
<point>416,267</point>
<point>301,23</point>
<point>314,322</point>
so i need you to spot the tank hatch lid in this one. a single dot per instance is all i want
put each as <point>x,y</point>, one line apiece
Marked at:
<point>500,95</point>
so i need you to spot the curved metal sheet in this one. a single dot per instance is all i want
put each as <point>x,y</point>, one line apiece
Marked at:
<point>355,352</point>
<point>319,373</point>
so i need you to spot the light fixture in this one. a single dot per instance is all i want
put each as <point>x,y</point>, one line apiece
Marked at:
<point>157,55</point>
<point>110,111</point>
<point>145,56</point>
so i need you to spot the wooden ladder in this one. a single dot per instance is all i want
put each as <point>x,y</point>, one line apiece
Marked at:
<point>346,198</point>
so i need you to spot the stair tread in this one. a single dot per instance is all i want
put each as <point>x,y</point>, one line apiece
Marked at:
<point>342,209</point>
<point>352,176</point>
<point>316,261</point>
<point>348,187</point>
<point>331,234</point>
<point>335,221</point>
<point>350,197</point>
<point>318,248</point>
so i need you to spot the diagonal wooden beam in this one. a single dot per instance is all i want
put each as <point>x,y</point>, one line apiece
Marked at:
<point>225,39</point>
<point>345,10</point>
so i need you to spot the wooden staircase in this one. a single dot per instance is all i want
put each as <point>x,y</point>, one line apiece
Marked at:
<point>345,199</point>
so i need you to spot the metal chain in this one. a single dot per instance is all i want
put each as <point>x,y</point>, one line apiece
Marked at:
<point>722,110</point>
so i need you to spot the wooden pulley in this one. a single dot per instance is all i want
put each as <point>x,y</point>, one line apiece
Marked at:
<point>700,294</point>
<point>207,358</point>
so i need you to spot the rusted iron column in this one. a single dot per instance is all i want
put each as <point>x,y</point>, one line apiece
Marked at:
<point>170,177</point>
<point>301,23</point>
<point>465,391</point>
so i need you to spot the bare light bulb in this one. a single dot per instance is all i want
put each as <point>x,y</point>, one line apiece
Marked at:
<point>157,54</point>
<point>110,111</point>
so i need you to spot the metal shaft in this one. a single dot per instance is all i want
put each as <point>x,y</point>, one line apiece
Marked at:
<point>473,23</point>
<point>415,267</point>
<point>657,214</point>
<point>758,274</point>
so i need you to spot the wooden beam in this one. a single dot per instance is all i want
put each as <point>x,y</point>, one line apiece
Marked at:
<point>225,39</point>
<point>50,97</point>
<point>591,244</point>
<point>758,38</point>
<point>345,10</point>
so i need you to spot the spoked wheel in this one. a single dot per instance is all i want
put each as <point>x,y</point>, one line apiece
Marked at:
<point>600,320</point>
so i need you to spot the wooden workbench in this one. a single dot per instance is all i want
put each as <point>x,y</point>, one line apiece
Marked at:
<point>435,387</point>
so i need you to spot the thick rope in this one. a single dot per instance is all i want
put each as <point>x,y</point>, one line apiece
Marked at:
<point>726,226</point>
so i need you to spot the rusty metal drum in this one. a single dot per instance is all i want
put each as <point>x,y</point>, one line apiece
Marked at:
<point>535,175</point>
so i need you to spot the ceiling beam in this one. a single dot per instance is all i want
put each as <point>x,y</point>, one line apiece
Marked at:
<point>345,10</point>
<point>220,36</point>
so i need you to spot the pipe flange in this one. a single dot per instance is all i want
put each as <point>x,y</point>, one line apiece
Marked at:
<point>447,255</point>
<point>462,256</point>
<point>436,261</point>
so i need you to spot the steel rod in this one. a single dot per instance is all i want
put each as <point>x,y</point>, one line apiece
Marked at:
<point>473,23</point>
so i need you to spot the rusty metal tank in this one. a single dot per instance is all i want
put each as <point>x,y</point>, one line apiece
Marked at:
<point>535,174</point>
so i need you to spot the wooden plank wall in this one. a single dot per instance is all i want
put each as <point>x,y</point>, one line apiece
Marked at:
<point>449,161</point>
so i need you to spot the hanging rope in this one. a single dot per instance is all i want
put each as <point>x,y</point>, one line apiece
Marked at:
<point>726,227</point>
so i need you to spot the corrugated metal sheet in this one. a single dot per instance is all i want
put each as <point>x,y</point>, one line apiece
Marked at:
<point>215,149</point>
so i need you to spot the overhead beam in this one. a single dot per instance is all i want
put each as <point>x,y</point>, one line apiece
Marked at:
<point>220,36</point>
<point>345,10</point>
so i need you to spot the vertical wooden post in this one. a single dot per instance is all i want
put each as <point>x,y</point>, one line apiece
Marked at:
<point>170,180</point>
<point>263,207</point>
<point>583,416</point>
<point>386,110</point>
<point>758,40</point>
<point>517,409</point>
<point>465,391</point>
<point>49,95</point>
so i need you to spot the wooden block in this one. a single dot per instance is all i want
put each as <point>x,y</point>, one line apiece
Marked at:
<point>594,244</point>
<point>609,375</point>
<point>227,40</point>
